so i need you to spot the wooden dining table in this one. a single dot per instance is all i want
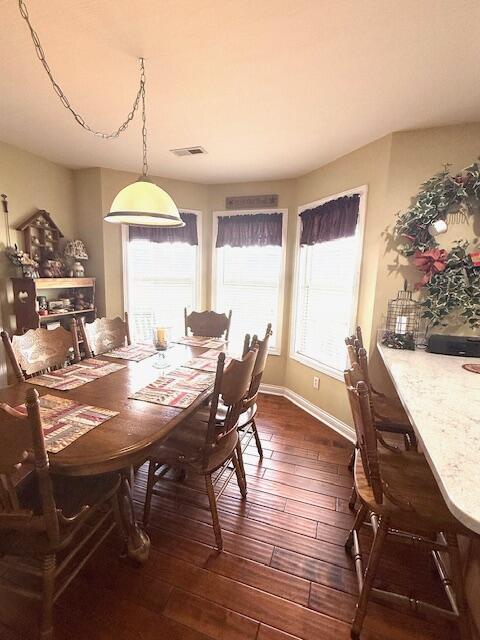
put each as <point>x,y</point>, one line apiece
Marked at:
<point>124,441</point>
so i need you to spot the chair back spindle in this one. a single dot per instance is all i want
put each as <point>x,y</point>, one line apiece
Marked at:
<point>360,403</point>
<point>363,362</point>
<point>359,337</point>
<point>352,353</point>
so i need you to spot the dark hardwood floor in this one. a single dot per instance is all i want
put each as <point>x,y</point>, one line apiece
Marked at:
<point>284,574</point>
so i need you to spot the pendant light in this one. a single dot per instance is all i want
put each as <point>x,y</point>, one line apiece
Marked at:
<point>143,202</point>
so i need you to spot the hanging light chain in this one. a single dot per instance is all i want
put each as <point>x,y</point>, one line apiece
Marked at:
<point>144,117</point>
<point>66,103</point>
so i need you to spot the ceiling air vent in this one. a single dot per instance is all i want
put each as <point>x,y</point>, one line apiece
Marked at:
<point>188,151</point>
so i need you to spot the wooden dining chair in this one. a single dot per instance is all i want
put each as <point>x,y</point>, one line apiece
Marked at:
<point>208,323</point>
<point>401,499</point>
<point>249,407</point>
<point>46,516</point>
<point>103,335</point>
<point>203,447</point>
<point>41,350</point>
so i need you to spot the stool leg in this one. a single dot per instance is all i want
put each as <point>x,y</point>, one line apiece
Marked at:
<point>48,579</point>
<point>213,508</point>
<point>353,499</point>
<point>257,438</point>
<point>351,462</point>
<point>458,585</point>
<point>240,459</point>
<point>242,485</point>
<point>357,525</point>
<point>373,561</point>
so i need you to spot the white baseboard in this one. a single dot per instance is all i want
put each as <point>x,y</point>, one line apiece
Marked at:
<point>331,421</point>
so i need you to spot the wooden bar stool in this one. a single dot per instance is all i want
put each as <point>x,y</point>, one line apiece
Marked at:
<point>389,414</point>
<point>400,496</point>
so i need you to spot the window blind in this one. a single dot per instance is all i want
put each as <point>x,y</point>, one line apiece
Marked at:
<point>248,281</point>
<point>325,301</point>
<point>162,280</point>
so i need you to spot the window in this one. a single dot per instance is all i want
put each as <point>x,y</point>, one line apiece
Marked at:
<point>161,279</point>
<point>325,295</point>
<point>249,280</point>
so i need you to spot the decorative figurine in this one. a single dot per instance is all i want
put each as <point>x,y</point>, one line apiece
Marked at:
<point>74,252</point>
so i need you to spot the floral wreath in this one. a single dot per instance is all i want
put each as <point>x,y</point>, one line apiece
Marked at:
<point>451,279</point>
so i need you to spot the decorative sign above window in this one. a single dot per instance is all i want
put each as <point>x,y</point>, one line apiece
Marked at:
<point>251,202</point>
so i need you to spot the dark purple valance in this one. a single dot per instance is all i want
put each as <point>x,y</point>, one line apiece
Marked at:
<point>330,221</point>
<point>187,234</point>
<point>254,229</point>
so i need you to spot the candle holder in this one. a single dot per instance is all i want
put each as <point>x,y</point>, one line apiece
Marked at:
<point>160,341</point>
<point>403,320</point>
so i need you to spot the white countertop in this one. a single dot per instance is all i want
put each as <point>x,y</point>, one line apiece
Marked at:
<point>442,401</point>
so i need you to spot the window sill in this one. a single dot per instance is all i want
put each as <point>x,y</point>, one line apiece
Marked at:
<point>316,365</point>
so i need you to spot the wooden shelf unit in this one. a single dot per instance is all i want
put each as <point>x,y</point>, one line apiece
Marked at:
<point>26,291</point>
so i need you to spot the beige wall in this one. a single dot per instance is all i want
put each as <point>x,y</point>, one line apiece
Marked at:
<point>31,183</point>
<point>88,200</point>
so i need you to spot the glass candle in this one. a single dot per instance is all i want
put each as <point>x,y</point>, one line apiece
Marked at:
<point>401,325</point>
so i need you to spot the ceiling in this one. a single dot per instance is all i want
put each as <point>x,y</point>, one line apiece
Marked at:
<point>271,88</point>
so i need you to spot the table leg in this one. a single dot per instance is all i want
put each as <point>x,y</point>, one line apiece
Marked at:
<point>138,542</point>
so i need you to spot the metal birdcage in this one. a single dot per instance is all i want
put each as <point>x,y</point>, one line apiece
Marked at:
<point>403,320</point>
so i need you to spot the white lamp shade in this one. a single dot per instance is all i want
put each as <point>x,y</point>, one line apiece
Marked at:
<point>145,204</point>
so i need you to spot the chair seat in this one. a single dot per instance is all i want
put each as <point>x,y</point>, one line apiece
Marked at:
<point>414,503</point>
<point>71,494</point>
<point>244,419</point>
<point>184,447</point>
<point>390,415</point>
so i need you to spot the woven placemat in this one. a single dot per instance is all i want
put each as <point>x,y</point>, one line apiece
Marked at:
<point>64,421</point>
<point>76,375</point>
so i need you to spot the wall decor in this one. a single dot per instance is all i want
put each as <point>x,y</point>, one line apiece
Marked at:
<point>41,236</point>
<point>401,329</point>
<point>7,222</point>
<point>269,201</point>
<point>450,284</point>
<point>21,259</point>
<point>74,252</point>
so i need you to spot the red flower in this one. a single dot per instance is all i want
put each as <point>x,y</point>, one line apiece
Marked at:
<point>431,262</point>
<point>475,258</point>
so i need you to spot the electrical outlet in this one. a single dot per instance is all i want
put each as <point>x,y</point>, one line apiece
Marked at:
<point>316,382</point>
